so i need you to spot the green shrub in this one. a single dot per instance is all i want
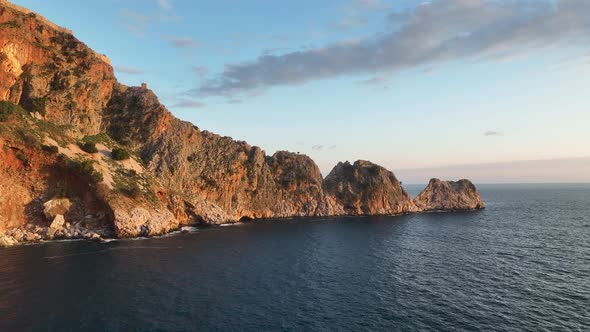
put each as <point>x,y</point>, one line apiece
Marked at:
<point>21,156</point>
<point>28,137</point>
<point>120,154</point>
<point>85,168</point>
<point>6,109</point>
<point>89,147</point>
<point>4,116</point>
<point>98,138</point>
<point>50,149</point>
<point>132,190</point>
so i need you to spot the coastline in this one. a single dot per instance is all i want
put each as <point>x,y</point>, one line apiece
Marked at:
<point>195,228</point>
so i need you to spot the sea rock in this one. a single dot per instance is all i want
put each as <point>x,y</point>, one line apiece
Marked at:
<point>92,236</point>
<point>30,237</point>
<point>7,241</point>
<point>57,227</point>
<point>449,196</point>
<point>365,188</point>
<point>140,222</point>
<point>57,206</point>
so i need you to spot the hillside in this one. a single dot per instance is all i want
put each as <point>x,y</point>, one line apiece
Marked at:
<point>82,155</point>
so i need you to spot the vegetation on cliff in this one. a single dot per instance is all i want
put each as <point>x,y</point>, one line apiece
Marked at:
<point>128,166</point>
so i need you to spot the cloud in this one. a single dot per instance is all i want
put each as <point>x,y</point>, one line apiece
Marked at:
<point>377,80</point>
<point>433,33</point>
<point>135,22</point>
<point>320,147</point>
<point>165,4</point>
<point>492,133</point>
<point>128,70</point>
<point>185,103</point>
<point>182,42</point>
<point>200,71</point>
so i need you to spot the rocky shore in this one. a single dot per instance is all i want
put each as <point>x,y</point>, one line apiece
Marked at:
<point>83,156</point>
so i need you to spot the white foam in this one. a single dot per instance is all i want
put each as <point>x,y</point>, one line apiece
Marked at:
<point>231,224</point>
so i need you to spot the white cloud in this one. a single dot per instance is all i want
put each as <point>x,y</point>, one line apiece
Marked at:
<point>432,34</point>
<point>493,133</point>
<point>128,70</point>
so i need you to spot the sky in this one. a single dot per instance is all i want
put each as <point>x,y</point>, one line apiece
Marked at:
<point>493,90</point>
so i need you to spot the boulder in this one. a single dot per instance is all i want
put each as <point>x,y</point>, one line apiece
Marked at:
<point>92,236</point>
<point>7,241</point>
<point>56,227</point>
<point>449,196</point>
<point>58,222</point>
<point>139,221</point>
<point>57,206</point>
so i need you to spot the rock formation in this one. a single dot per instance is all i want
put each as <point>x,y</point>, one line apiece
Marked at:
<point>62,113</point>
<point>449,196</point>
<point>364,188</point>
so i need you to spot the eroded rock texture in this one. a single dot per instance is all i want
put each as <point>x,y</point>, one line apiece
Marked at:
<point>56,93</point>
<point>450,196</point>
<point>364,188</point>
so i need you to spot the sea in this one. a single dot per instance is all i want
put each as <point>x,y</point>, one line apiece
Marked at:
<point>522,264</point>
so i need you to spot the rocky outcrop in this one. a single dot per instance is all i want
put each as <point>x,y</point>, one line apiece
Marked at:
<point>449,196</point>
<point>210,178</point>
<point>57,95</point>
<point>7,241</point>
<point>364,188</point>
<point>141,222</point>
<point>48,71</point>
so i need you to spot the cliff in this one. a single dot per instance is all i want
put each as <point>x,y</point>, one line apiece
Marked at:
<point>48,71</point>
<point>364,188</point>
<point>450,196</point>
<point>82,155</point>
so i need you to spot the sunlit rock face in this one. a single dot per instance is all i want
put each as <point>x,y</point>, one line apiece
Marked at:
<point>364,188</point>
<point>449,196</point>
<point>57,93</point>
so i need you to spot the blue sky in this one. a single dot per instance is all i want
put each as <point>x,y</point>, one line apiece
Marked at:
<point>406,84</point>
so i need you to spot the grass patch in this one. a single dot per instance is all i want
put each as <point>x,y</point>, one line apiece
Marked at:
<point>7,109</point>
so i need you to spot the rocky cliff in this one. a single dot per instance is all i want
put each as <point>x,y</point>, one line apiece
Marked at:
<point>48,71</point>
<point>450,196</point>
<point>113,161</point>
<point>364,188</point>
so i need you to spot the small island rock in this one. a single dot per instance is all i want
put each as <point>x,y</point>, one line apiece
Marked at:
<point>449,196</point>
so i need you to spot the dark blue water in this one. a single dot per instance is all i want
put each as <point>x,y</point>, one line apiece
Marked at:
<point>521,264</point>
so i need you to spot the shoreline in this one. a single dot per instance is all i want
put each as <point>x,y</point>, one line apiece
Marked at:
<point>196,228</point>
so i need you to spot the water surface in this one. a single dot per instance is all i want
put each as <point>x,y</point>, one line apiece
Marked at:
<point>521,264</point>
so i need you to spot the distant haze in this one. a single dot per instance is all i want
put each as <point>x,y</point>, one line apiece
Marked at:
<point>574,170</point>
